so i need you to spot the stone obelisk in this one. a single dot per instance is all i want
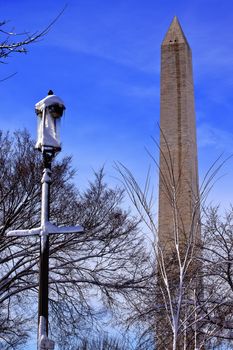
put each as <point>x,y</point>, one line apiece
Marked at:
<point>178,148</point>
<point>178,182</point>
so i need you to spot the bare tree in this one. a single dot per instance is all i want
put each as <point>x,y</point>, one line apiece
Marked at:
<point>181,307</point>
<point>104,343</point>
<point>90,273</point>
<point>217,261</point>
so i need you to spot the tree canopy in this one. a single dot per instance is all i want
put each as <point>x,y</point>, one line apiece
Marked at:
<point>90,273</point>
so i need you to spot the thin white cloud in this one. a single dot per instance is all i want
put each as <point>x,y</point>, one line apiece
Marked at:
<point>220,139</point>
<point>143,90</point>
<point>110,35</point>
<point>140,56</point>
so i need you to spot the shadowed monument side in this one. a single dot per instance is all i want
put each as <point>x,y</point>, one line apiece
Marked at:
<point>179,216</point>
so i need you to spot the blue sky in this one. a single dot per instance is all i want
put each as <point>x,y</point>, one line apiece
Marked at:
<point>103,59</point>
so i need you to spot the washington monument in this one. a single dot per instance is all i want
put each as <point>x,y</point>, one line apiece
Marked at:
<point>178,182</point>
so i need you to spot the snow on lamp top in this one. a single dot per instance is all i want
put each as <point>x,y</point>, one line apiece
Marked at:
<point>49,111</point>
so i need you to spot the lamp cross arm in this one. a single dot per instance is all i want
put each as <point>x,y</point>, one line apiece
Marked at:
<point>47,229</point>
<point>24,233</point>
<point>50,229</point>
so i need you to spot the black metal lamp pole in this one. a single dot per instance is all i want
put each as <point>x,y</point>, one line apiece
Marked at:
<point>44,255</point>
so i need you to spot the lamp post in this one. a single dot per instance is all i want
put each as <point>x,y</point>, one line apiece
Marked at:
<point>49,112</point>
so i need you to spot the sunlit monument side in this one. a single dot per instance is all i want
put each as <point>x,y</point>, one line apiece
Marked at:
<point>179,217</point>
<point>49,112</point>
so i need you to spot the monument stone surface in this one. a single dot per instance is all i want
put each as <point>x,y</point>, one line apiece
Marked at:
<point>179,230</point>
<point>178,148</point>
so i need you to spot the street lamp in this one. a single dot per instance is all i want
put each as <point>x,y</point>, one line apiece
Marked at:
<point>49,112</point>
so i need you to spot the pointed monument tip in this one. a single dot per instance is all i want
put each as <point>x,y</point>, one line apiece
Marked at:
<point>175,34</point>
